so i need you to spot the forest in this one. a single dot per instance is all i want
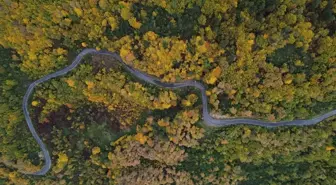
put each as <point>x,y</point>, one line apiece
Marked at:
<point>271,60</point>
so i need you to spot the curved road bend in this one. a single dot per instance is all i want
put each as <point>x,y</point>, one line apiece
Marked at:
<point>209,121</point>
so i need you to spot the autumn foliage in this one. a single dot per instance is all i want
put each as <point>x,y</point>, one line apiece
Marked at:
<point>271,60</point>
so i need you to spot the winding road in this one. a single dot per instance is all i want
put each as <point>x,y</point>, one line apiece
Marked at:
<point>210,121</point>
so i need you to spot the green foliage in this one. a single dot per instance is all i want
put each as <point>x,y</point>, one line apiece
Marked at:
<point>259,8</point>
<point>267,156</point>
<point>11,118</point>
<point>294,58</point>
<point>289,173</point>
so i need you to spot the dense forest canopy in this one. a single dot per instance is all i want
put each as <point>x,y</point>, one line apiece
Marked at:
<point>265,59</point>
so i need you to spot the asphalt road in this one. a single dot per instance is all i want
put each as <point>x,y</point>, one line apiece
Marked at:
<point>210,121</point>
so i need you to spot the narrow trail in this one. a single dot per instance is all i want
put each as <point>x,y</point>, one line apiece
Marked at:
<point>209,121</point>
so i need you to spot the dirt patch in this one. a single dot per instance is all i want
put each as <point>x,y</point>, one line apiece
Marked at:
<point>98,114</point>
<point>56,118</point>
<point>104,62</point>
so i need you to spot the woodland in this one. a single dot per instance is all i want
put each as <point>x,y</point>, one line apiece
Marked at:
<point>271,60</point>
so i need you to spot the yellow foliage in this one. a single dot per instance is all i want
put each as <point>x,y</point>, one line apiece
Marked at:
<point>95,150</point>
<point>70,82</point>
<point>186,103</point>
<point>202,48</point>
<point>12,175</point>
<point>125,13</point>
<point>62,158</point>
<point>134,23</point>
<point>78,11</point>
<point>12,117</point>
<point>154,14</point>
<point>15,179</point>
<point>213,76</point>
<point>141,138</point>
<point>216,72</point>
<point>211,80</point>
<point>182,130</point>
<point>251,42</point>
<point>299,63</point>
<point>32,56</point>
<point>25,20</point>
<point>90,84</point>
<point>124,52</point>
<point>166,51</point>
<point>165,100</point>
<point>288,79</point>
<point>61,51</point>
<point>61,162</point>
<point>191,99</point>
<point>130,57</point>
<point>143,13</point>
<point>104,22</point>
<point>256,93</point>
<point>102,4</point>
<point>329,148</point>
<point>163,123</point>
<point>232,92</point>
<point>35,103</point>
<point>113,23</point>
<point>67,21</point>
<point>110,156</point>
<point>150,36</point>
